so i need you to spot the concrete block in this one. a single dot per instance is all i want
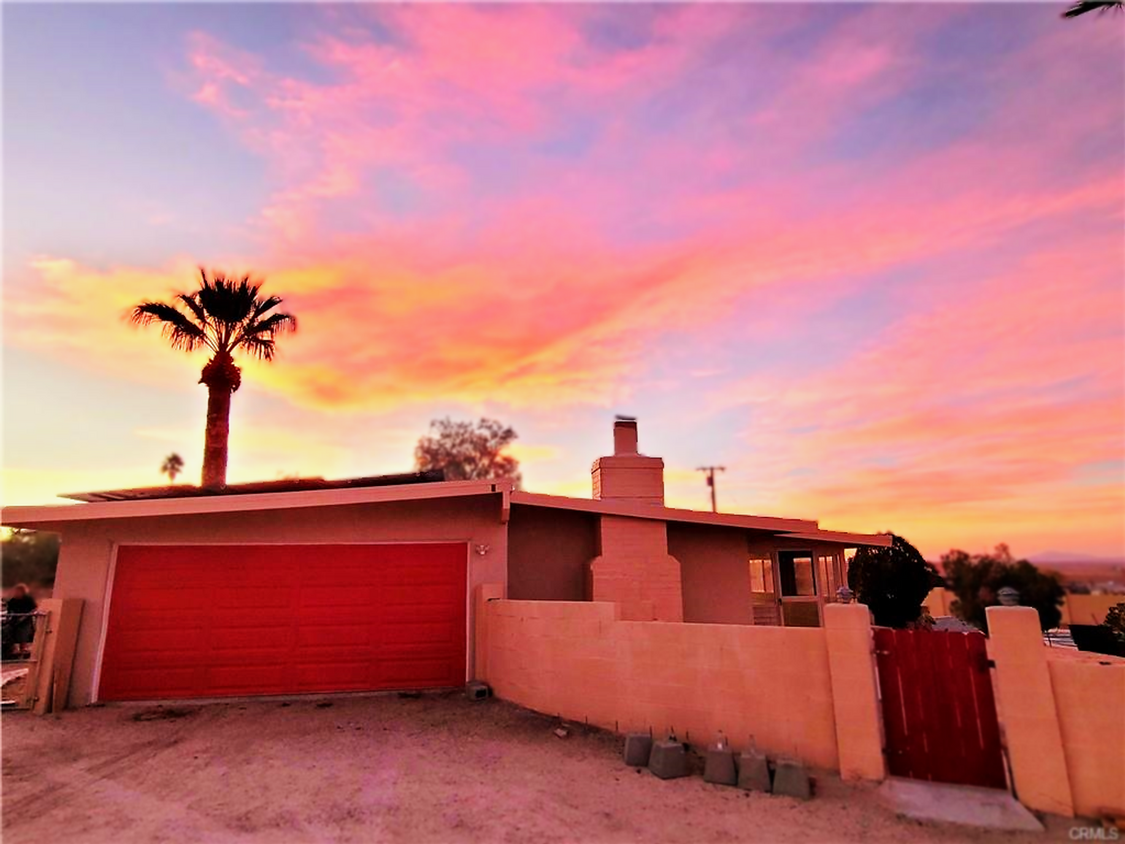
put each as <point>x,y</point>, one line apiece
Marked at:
<point>638,749</point>
<point>791,779</point>
<point>668,760</point>
<point>477,690</point>
<point>753,771</point>
<point>719,767</point>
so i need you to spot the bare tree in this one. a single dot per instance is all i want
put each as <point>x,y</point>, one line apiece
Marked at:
<point>465,451</point>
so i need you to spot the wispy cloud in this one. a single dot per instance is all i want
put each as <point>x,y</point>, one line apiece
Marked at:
<point>543,208</point>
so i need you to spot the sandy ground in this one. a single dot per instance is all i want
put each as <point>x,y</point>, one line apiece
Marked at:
<point>385,768</point>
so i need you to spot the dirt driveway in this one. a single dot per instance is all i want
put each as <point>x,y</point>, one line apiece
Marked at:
<point>385,768</point>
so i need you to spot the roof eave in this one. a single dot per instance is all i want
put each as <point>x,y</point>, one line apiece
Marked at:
<point>43,516</point>
<point>668,514</point>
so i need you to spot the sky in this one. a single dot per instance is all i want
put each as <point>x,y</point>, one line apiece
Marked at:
<point>868,258</point>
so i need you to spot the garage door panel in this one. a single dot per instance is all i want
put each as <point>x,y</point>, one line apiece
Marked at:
<point>317,616</point>
<point>329,597</point>
<point>334,634</point>
<point>143,683</point>
<point>162,641</point>
<point>166,599</point>
<point>420,633</point>
<point>255,597</point>
<point>250,617</point>
<point>422,594</point>
<point>340,675</point>
<point>204,621</point>
<point>250,638</point>
<point>246,679</point>
<point>418,672</point>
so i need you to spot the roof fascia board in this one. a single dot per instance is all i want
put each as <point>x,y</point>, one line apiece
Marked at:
<point>197,505</point>
<point>667,514</point>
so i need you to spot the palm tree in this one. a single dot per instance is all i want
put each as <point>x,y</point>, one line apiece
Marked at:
<point>1081,7</point>
<point>173,464</point>
<point>224,315</point>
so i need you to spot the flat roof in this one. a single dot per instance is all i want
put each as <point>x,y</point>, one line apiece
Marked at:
<point>155,502</point>
<point>284,485</point>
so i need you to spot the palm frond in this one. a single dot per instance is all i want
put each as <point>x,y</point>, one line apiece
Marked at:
<point>262,348</point>
<point>190,301</point>
<point>1084,6</point>
<point>175,326</point>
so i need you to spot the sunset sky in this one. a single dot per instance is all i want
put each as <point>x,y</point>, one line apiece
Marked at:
<point>870,259</point>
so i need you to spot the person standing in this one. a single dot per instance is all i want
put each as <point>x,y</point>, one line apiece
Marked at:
<point>21,608</point>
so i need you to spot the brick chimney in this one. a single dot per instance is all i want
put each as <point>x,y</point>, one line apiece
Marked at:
<point>633,568</point>
<point>628,475</point>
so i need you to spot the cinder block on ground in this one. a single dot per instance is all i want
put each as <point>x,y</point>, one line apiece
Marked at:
<point>668,760</point>
<point>477,690</point>
<point>719,767</point>
<point>638,749</point>
<point>753,771</point>
<point>791,779</point>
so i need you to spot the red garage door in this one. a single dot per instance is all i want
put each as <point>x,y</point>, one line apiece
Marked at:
<point>208,621</point>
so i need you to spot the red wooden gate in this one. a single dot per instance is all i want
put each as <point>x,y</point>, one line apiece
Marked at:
<point>939,713</point>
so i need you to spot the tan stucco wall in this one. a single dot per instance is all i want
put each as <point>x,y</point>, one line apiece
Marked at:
<point>1075,609</point>
<point>1090,700</point>
<point>578,660</point>
<point>714,571</point>
<point>84,559</point>
<point>1088,609</point>
<point>548,553</point>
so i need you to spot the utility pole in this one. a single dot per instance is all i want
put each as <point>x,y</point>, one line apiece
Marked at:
<point>711,470</point>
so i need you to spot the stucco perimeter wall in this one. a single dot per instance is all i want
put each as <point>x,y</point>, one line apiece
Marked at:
<point>1090,700</point>
<point>87,548</point>
<point>578,661</point>
<point>1062,714</point>
<point>1075,609</point>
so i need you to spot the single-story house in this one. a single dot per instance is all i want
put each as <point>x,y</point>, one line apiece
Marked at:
<point>325,586</point>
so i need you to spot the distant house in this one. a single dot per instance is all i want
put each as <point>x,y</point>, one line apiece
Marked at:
<point>366,584</point>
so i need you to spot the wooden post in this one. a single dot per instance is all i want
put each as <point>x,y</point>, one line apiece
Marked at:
<point>48,680</point>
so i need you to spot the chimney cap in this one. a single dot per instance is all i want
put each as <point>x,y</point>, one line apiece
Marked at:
<point>620,418</point>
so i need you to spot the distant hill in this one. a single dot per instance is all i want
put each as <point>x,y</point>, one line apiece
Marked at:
<point>1067,558</point>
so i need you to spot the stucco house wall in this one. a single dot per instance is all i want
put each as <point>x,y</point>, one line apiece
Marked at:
<point>548,553</point>
<point>87,549</point>
<point>716,576</point>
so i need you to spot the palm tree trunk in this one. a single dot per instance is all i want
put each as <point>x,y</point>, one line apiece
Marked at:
<point>222,378</point>
<point>218,433</point>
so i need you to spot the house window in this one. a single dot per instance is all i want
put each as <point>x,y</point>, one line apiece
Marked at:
<point>826,575</point>
<point>761,575</point>
<point>796,570</point>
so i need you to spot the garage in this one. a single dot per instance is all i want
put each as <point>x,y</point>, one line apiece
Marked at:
<point>199,621</point>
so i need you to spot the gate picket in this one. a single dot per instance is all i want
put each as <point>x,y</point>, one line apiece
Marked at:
<point>894,719</point>
<point>993,771</point>
<point>912,699</point>
<point>966,702</point>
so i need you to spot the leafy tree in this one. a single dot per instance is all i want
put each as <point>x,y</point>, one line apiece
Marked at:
<point>1115,623</point>
<point>977,579</point>
<point>173,464</point>
<point>29,556</point>
<point>465,451</point>
<point>1101,6</point>
<point>223,316</point>
<point>893,582</point>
